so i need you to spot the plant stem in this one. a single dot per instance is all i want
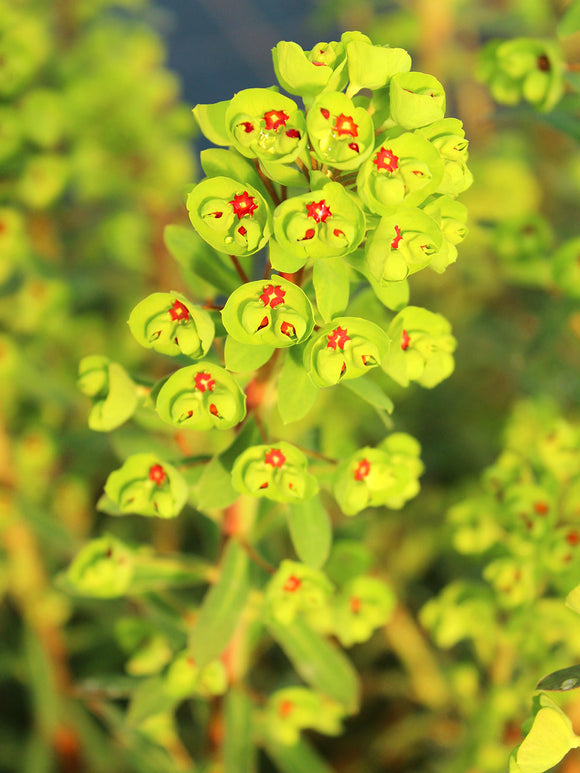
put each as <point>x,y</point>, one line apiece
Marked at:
<point>268,183</point>
<point>238,266</point>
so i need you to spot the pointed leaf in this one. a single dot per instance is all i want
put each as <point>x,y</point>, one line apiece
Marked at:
<point>212,121</point>
<point>299,758</point>
<point>570,21</point>
<point>239,747</point>
<point>222,162</point>
<point>371,393</point>
<point>296,391</point>
<point>242,358</point>
<point>311,531</point>
<point>331,285</point>
<point>563,679</point>
<point>194,255</point>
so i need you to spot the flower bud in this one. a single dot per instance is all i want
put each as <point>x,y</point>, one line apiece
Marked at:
<point>364,604</point>
<point>416,99</point>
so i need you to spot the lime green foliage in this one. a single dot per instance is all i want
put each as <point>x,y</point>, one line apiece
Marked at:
<point>550,737</point>
<point>113,392</point>
<point>523,69</point>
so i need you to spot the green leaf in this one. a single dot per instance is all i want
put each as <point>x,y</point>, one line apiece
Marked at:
<point>311,531</point>
<point>570,21</point>
<point>193,254</point>
<point>299,758</point>
<point>215,489</point>
<point>563,679</point>
<point>282,260</point>
<point>551,737</point>
<point>221,162</point>
<point>371,393</point>
<point>149,699</point>
<point>285,174</point>
<point>296,391</point>
<point>239,747</point>
<point>241,358</point>
<point>221,607</point>
<point>212,121</point>
<point>393,295</point>
<point>318,662</point>
<point>331,285</point>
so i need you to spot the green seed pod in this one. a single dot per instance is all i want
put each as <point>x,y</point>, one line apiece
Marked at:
<point>307,74</point>
<point>327,223</point>
<point>416,99</point>
<point>278,472</point>
<point>274,313</point>
<point>404,169</point>
<point>112,390</point>
<point>364,604</point>
<point>404,242</point>
<point>344,349</point>
<point>147,486</point>
<point>232,217</point>
<point>170,324</point>
<point>103,568</point>
<point>264,124</point>
<point>342,135</point>
<point>422,348</point>
<point>523,69</point>
<point>202,396</point>
<point>296,588</point>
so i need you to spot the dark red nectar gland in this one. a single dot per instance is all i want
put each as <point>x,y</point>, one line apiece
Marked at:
<point>179,312</point>
<point>213,410</point>
<point>285,708</point>
<point>362,469</point>
<point>243,204</point>
<point>541,508</point>
<point>386,159</point>
<point>275,458</point>
<point>355,605</point>
<point>310,233</point>
<point>325,113</point>
<point>157,474</point>
<point>272,296</point>
<point>292,584</point>
<point>275,119</point>
<point>337,338</point>
<point>405,341</point>
<point>544,63</point>
<point>344,126</point>
<point>397,239</point>
<point>288,329</point>
<point>294,134</point>
<point>203,381</point>
<point>318,211</point>
<point>248,126</point>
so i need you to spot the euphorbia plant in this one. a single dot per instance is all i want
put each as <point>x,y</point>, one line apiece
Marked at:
<point>305,230</point>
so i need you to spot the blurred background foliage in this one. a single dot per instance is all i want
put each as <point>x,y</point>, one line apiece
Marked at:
<point>84,196</point>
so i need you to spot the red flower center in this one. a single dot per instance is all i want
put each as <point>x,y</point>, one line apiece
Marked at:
<point>355,605</point>
<point>318,211</point>
<point>386,159</point>
<point>397,239</point>
<point>338,338</point>
<point>541,508</point>
<point>362,469</point>
<point>272,296</point>
<point>292,583</point>
<point>204,381</point>
<point>157,474</point>
<point>275,118</point>
<point>405,340</point>
<point>573,538</point>
<point>243,204</point>
<point>274,457</point>
<point>344,126</point>
<point>285,708</point>
<point>179,312</point>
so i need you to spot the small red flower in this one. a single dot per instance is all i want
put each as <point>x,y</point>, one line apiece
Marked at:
<point>362,469</point>
<point>386,159</point>
<point>272,296</point>
<point>275,458</point>
<point>338,337</point>
<point>405,340</point>
<point>204,381</point>
<point>344,126</point>
<point>397,239</point>
<point>318,211</point>
<point>157,474</point>
<point>275,119</point>
<point>179,312</point>
<point>292,583</point>
<point>243,204</point>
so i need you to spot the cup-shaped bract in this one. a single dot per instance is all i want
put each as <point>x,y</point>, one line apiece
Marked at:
<point>422,348</point>
<point>451,216</point>
<point>201,397</point>
<point>327,223</point>
<point>550,738</point>
<point>170,324</point>
<point>103,568</point>
<point>146,485</point>
<point>297,708</point>
<point>370,66</point>
<point>296,588</point>
<point>416,99</point>
<point>523,69</point>
<point>346,348</point>
<point>232,217</point>
<point>272,312</point>
<point>111,389</point>
<point>278,472</point>
<point>448,136</point>
<point>404,169</point>
<point>363,605</point>
<point>384,476</point>
<point>405,241</point>
<point>342,135</point>
<point>265,124</point>
<point>308,73</point>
